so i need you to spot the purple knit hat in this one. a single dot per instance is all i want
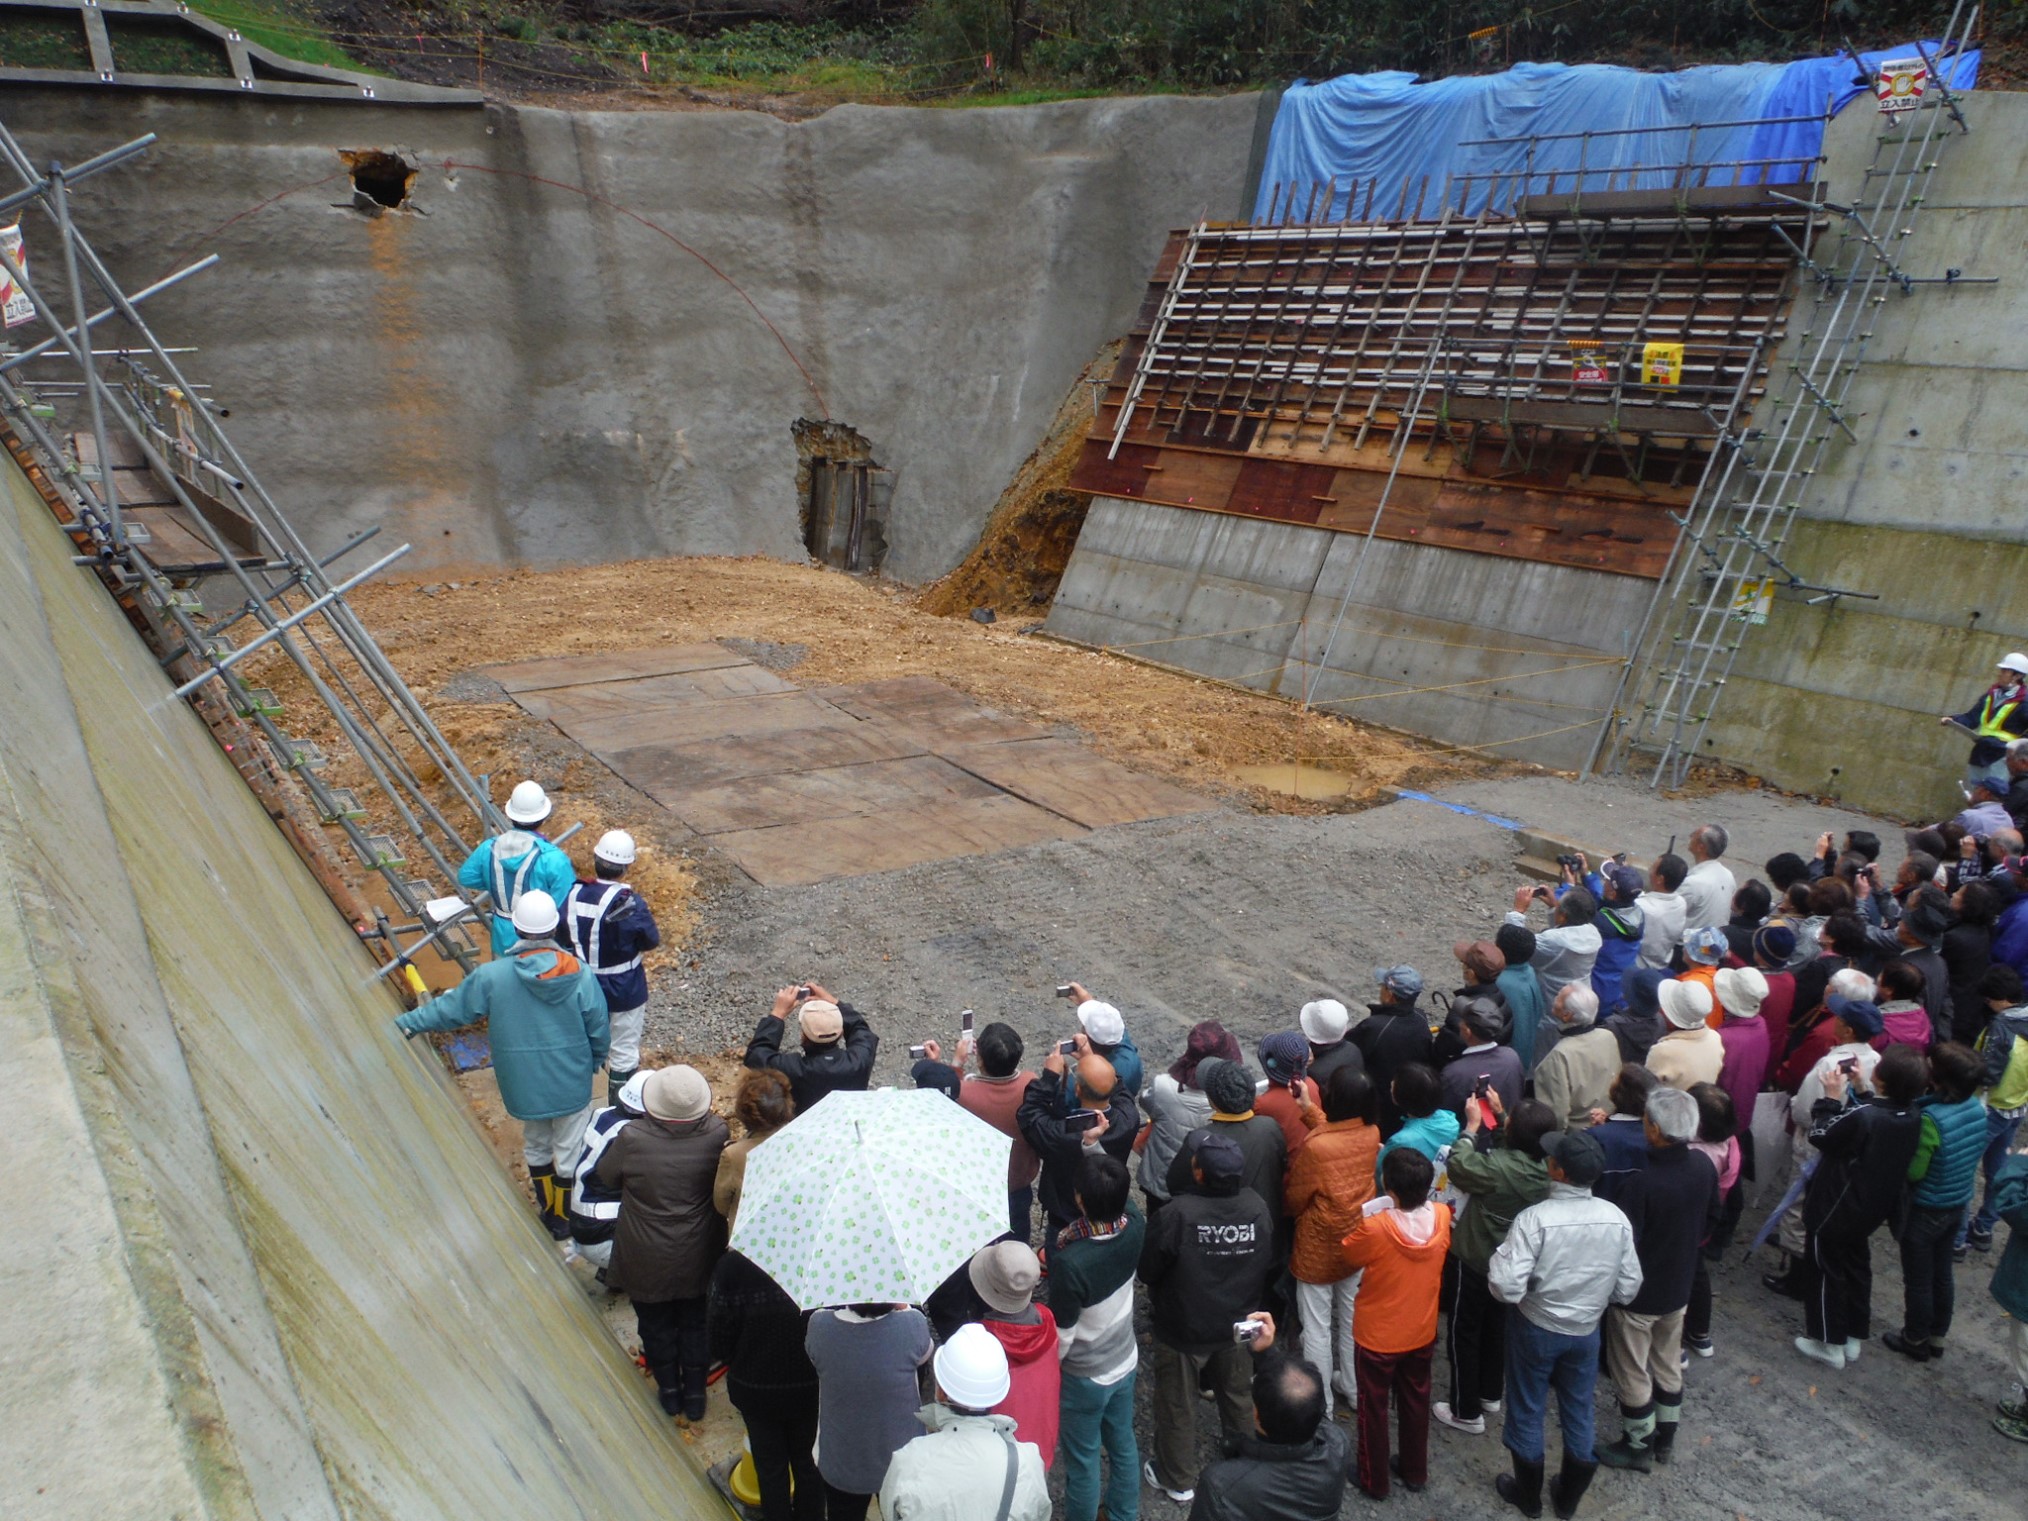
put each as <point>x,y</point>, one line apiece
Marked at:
<point>1207,1040</point>
<point>1285,1056</point>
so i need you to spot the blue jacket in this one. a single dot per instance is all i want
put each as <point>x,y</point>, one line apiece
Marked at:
<point>1953,1157</point>
<point>1619,930</point>
<point>1126,1060</point>
<point>546,1019</point>
<point>2010,935</point>
<point>1428,1135</point>
<point>514,873</point>
<point>1525,1006</point>
<point>609,929</point>
<point>2010,1195</point>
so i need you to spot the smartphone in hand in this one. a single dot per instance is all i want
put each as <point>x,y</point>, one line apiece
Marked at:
<point>1083,1119</point>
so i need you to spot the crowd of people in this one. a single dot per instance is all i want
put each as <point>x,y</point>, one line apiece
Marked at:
<point>1444,1209</point>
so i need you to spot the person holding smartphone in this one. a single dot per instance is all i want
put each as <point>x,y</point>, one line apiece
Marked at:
<point>1063,1119</point>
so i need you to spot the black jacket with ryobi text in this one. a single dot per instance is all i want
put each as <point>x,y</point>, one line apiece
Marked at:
<point>1206,1264</point>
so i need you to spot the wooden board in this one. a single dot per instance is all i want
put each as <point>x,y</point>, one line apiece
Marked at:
<point>796,854</point>
<point>610,665</point>
<point>1072,781</point>
<point>801,797</point>
<point>605,699</point>
<point>751,717</point>
<point>667,771</point>
<point>926,704</point>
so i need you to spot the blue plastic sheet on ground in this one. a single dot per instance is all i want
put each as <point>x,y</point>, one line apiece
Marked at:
<point>1390,132</point>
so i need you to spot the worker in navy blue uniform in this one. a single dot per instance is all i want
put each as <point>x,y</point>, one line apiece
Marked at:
<point>516,861</point>
<point>609,929</point>
<point>2000,715</point>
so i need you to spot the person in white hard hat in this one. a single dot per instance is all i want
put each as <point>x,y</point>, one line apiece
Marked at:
<point>968,1466</point>
<point>546,1020</point>
<point>609,927</point>
<point>2000,715</point>
<point>516,861</point>
<point>594,1211</point>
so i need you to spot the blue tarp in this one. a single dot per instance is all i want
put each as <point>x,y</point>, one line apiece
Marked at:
<point>1388,130</point>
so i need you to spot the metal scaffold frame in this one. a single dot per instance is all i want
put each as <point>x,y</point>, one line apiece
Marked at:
<point>138,404</point>
<point>1728,553</point>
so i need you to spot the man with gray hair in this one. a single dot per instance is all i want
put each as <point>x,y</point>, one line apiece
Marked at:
<point>1577,1074</point>
<point>2017,777</point>
<point>1707,890</point>
<point>1671,1204</point>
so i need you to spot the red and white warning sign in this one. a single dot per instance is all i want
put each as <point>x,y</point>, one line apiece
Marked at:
<point>13,299</point>
<point>1587,364</point>
<point>1901,83</point>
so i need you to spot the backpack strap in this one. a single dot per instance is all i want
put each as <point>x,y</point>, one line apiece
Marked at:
<point>1013,1477</point>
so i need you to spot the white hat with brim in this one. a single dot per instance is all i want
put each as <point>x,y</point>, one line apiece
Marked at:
<point>1324,1021</point>
<point>1686,1005</point>
<point>1741,990</point>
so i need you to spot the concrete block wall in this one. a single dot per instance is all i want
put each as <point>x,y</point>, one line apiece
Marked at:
<point>514,375</point>
<point>1439,642</point>
<point>1925,510</point>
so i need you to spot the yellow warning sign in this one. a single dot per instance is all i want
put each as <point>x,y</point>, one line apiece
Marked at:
<point>1661,364</point>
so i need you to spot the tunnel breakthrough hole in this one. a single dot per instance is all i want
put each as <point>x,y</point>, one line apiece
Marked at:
<point>379,179</point>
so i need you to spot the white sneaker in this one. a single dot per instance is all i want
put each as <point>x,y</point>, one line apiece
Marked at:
<point>1491,1407</point>
<point>1441,1414</point>
<point>1822,1352</point>
<point>1180,1496</point>
<point>1853,1347</point>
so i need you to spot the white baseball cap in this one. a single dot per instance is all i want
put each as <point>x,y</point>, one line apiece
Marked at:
<point>615,847</point>
<point>1101,1022</point>
<point>529,804</point>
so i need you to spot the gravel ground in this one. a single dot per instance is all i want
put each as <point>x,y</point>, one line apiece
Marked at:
<point>1243,917</point>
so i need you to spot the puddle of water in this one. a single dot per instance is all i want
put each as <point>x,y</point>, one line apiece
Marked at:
<point>1295,778</point>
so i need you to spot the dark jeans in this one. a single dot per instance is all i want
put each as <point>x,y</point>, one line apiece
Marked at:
<point>1478,1343</point>
<point>1021,1214</point>
<point>839,1506</point>
<point>1697,1315</point>
<point>1538,1361</point>
<point>1837,1284</point>
<point>1999,1136</point>
<point>1405,1377</point>
<point>1928,1292</point>
<point>677,1350</point>
<point>781,1428</point>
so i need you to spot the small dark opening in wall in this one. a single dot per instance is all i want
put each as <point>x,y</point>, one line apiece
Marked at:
<point>379,180</point>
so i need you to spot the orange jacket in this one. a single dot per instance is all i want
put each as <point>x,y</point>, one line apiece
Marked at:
<point>1396,1307</point>
<point>1329,1180</point>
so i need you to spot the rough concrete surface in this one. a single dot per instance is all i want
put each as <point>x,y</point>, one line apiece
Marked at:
<point>260,1264</point>
<point>1243,917</point>
<point>514,374</point>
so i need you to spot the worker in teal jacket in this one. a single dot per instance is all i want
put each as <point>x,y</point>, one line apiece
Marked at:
<point>546,1019</point>
<point>518,861</point>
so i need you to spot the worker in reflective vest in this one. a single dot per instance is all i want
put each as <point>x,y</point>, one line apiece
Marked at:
<point>2000,715</point>
<point>609,928</point>
<point>517,861</point>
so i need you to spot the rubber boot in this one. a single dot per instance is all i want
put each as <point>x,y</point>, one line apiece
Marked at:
<point>694,1385</point>
<point>1667,1416</point>
<point>615,1081</point>
<point>1522,1489</point>
<point>1633,1451</point>
<point>551,1198</point>
<point>1571,1483</point>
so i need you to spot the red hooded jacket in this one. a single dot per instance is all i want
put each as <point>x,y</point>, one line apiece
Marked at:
<point>1037,1379</point>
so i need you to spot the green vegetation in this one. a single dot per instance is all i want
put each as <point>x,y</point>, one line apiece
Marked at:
<point>144,46</point>
<point>29,41</point>
<point>292,30</point>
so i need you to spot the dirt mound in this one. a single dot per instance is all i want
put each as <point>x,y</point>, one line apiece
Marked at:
<point>1027,541</point>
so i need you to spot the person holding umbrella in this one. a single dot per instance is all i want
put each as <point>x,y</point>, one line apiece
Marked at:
<point>866,1356</point>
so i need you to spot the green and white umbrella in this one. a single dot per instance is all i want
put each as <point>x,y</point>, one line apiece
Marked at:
<point>872,1197</point>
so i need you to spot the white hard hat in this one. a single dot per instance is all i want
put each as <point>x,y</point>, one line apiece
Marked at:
<point>615,846</point>
<point>971,1368</point>
<point>2017,662</point>
<point>534,914</point>
<point>633,1092</point>
<point>528,803</point>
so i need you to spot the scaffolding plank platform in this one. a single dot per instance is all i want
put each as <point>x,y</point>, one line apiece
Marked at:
<point>1075,782</point>
<point>833,792</point>
<point>888,839</point>
<point>1690,200</point>
<point>608,699</point>
<point>610,665</point>
<point>802,786</point>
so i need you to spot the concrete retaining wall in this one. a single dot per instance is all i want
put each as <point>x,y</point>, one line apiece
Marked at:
<point>1925,510</point>
<point>515,375</point>
<point>1437,641</point>
<point>259,1262</point>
